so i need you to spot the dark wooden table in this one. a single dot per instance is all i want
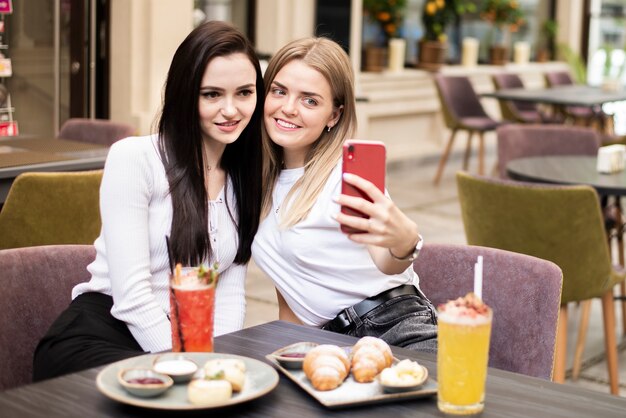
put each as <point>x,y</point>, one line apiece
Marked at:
<point>574,95</point>
<point>20,155</point>
<point>508,394</point>
<point>567,170</point>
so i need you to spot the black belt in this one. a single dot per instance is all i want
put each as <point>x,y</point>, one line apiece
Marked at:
<point>342,320</point>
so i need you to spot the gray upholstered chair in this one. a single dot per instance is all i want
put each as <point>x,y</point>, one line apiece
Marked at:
<point>95,131</point>
<point>520,111</point>
<point>515,286</point>
<point>462,110</point>
<point>577,113</point>
<point>36,287</point>
<point>521,141</point>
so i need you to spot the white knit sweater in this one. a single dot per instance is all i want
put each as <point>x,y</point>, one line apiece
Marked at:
<point>132,262</point>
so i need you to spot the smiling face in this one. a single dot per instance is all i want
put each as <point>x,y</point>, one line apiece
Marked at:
<point>298,107</point>
<point>227,98</point>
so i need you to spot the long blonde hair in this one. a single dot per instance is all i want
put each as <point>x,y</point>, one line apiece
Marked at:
<point>330,60</point>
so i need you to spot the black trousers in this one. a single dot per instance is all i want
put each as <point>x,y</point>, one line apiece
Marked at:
<point>85,335</point>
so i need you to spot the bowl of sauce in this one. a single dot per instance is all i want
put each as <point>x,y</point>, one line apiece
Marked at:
<point>177,366</point>
<point>145,383</point>
<point>292,356</point>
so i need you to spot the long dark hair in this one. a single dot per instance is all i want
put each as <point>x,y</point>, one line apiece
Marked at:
<point>180,146</point>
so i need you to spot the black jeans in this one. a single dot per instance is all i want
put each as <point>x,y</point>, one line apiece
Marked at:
<point>85,335</point>
<point>408,321</point>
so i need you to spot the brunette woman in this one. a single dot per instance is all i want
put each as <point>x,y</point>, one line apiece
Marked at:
<point>198,181</point>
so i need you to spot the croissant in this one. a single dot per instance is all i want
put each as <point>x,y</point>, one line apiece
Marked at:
<point>370,355</point>
<point>326,366</point>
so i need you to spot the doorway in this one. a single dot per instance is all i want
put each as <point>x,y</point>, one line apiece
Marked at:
<point>60,53</point>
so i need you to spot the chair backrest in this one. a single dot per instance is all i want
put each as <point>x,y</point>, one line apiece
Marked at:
<point>520,141</point>
<point>95,131</point>
<point>515,286</point>
<point>558,78</point>
<point>51,208</point>
<point>511,108</point>
<point>458,99</point>
<point>36,287</point>
<point>562,224</point>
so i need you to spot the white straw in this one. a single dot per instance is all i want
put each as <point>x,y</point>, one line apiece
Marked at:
<point>478,277</point>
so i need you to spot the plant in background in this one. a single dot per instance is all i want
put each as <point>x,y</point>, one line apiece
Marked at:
<point>505,16</point>
<point>438,14</point>
<point>612,69</point>
<point>545,40</point>
<point>388,14</point>
<point>575,61</point>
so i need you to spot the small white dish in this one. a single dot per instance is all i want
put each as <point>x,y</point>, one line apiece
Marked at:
<point>403,385</point>
<point>292,356</point>
<point>177,366</point>
<point>145,383</point>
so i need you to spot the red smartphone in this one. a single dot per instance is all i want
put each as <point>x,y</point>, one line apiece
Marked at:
<point>365,159</point>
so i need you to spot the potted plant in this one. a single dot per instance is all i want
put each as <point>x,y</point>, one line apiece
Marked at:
<point>546,40</point>
<point>388,16</point>
<point>505,17</point>
<point>436,16</point>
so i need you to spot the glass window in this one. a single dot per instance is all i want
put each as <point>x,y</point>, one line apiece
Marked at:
<point>537,12</point>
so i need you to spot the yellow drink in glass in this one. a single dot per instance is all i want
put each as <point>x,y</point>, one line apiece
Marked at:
<point>462,358</point>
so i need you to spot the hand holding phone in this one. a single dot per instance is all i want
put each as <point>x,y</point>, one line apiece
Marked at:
<point>365,159</point>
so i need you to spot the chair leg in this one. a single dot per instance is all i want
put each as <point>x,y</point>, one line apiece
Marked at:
<point>620,257</point>
<point>610,342</point>
<point>468,150</point>
<point>582,337</point>
<point>560,355</point>
<point>622,287</point>
<point>481,153</point>
<point>444,158</point>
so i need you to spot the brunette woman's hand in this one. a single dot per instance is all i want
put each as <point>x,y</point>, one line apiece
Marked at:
<point>387,227</point>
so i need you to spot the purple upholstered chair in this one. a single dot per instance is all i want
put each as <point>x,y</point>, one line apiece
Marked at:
<point>95,131</point>
<point>36,285</point>
<point>519,111</point>
<point>523,291</point>
<point>576,113</point>
<point>520,141</point>
<point>462,110</point>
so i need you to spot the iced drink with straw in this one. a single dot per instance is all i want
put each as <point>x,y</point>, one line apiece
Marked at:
<point>463,354</point>
<point>192,305</point>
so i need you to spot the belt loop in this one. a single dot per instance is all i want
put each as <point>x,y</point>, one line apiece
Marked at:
<point>354,318</point>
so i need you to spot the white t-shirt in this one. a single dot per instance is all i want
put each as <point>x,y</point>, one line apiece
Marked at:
<point>316,268</point>
<point>132,263</point>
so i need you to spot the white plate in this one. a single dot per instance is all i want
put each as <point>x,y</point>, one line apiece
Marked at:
<point>352,393</point>
<point>260,380</point>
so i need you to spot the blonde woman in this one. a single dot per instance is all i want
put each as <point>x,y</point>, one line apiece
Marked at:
<point>358,284</point>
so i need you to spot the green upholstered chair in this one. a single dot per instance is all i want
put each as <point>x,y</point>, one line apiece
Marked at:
<point>521,141</point>
<point>51,208</point>
<point>562,224</point>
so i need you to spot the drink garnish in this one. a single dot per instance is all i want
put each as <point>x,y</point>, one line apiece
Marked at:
<point>208,275</point>
<point>469,305</point>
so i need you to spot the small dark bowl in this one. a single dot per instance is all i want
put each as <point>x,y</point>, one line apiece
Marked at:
<point>144,390</point>
<point>292,356</point>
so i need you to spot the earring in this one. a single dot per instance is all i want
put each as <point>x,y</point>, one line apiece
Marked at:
<point>328,128</point>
